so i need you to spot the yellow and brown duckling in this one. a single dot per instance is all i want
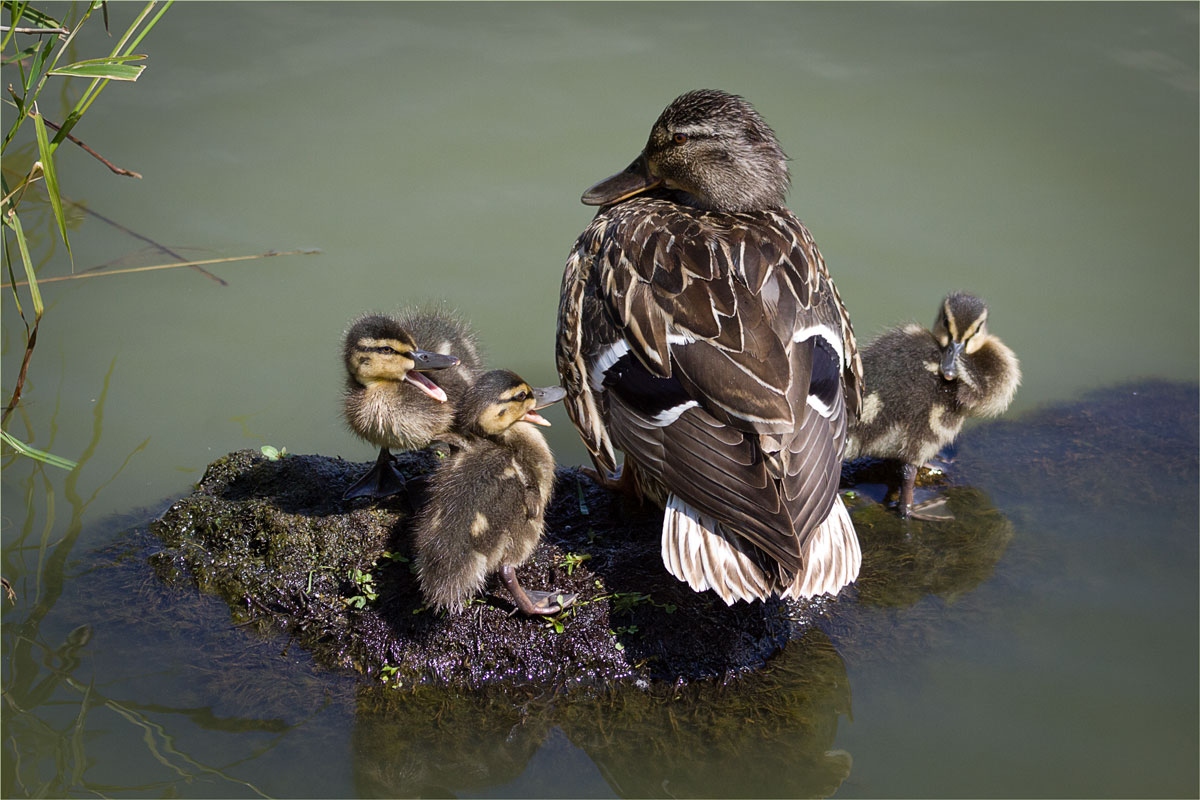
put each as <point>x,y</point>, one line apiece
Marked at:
<point>390,400</point>
<point>699,332</point>
<point>922,385</point>
<point>487,501</point>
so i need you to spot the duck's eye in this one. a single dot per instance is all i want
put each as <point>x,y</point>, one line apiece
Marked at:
<point>520,397</point>
<point>679,138</point>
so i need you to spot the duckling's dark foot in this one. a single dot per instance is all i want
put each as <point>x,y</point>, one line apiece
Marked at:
<point>909,472</point>
<point>382,480</point>
<point>934,510</point>
<point>533,603</point>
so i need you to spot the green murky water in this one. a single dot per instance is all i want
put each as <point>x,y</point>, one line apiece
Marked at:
<point>1044,156</point>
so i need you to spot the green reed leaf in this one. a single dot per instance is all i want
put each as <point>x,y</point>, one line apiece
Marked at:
<point>46,153</point>
<point>34,453</point>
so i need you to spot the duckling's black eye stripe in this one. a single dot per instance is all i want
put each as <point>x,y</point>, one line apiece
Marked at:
<point>383,348</point>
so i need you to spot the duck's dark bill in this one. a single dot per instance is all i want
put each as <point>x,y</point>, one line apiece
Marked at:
<point>548,396</point>
<point>950,361</point>
<point>426,359</point>
<point>633,180</point>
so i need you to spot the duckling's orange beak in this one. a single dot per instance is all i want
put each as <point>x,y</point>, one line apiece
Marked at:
<point>635,179</point>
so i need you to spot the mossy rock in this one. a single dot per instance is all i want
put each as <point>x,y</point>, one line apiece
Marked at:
<point>274,539</point>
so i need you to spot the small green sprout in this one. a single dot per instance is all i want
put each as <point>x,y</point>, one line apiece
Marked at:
<point>583,506</point>
<point>365,582</point>
<point>622,630</point>
<point>627,601</point>
<point>573,560</point>
<point>558,622</point>
<point>272,454</point>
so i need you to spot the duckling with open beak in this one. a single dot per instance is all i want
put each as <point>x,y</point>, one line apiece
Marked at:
<point>389,399</point>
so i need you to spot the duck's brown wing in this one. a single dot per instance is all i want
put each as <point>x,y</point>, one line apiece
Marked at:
<point>720,349</point>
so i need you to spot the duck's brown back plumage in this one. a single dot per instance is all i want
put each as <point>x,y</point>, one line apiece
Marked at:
<point>699,332</point>
<point>714,299</point>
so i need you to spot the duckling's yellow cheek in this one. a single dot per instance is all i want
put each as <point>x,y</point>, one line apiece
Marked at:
<point>480,525</point>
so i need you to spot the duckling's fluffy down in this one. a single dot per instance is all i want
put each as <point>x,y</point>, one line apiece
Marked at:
<point>486,508</point>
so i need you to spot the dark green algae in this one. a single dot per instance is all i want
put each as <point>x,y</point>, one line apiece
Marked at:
<point>275,541</point>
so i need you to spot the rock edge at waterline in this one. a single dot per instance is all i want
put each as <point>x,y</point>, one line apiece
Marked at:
<point>274,539</point>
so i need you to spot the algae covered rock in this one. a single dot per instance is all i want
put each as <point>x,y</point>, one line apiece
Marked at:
<point>274,539</point>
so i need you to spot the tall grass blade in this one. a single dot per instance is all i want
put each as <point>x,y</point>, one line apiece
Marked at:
<point>33,452</point>
<point>177,265</point>
<point>52,190</point>
<point>32,18</point>
<point>112,68</point>
<point>150,25</point>
<point>38,64</point>
<point>13,221</point>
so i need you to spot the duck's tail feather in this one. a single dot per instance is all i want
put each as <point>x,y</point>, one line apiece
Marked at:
<point>696,550</point>
<point>832,556</point>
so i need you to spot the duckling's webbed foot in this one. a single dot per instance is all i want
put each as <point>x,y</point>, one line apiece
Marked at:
<point>382,480</point>
<point>530,602</point>
<point>934,510</point>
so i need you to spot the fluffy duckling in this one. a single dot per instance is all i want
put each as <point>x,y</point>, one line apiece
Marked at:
<point>487,500</point>
<point>922,385</point>
<point>389,399</point>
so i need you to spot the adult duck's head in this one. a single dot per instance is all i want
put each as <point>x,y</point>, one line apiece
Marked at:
<point>711,148</point>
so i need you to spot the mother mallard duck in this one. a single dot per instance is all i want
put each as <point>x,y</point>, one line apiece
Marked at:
<point>699,333</point>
